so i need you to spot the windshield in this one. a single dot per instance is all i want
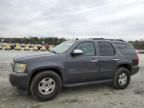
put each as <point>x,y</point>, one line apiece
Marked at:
<point>63,47</point>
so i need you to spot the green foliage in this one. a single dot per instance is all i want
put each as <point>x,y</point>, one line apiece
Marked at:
<point>35,40</point>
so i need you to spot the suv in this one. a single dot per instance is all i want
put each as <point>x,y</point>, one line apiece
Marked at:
<point>75,63</point>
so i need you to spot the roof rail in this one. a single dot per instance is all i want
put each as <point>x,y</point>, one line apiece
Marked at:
<point>97,38</point>
<point>115,40</point>
<point>108,39</point>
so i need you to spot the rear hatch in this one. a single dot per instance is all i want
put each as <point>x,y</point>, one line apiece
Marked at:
<point>129,51</point>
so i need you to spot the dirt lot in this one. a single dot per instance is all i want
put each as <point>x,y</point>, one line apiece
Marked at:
<point>95,96</point>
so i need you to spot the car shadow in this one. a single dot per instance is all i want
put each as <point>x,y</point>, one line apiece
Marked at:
<point>85,88</point>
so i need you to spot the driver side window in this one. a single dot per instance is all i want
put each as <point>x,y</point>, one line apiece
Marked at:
<point>87,48</point>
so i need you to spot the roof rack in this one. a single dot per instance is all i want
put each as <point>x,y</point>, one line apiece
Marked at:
<point>97,38</point>
<point>108,39</point>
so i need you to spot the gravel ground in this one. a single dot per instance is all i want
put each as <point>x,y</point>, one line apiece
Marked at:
<point>100,95</point>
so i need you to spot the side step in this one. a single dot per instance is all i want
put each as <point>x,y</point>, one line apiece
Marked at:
<point>87,83</point>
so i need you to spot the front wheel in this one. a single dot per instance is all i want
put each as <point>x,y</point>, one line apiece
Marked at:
<point>46,85</point>
<point>121,78</point>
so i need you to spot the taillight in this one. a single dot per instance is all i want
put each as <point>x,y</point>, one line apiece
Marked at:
<point>136,60</point>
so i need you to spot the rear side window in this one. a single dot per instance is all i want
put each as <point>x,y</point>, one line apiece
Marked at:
<point>125,48</point>
<point>106,49</point>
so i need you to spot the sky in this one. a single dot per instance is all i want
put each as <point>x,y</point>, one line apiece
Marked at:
<point>122,19</point>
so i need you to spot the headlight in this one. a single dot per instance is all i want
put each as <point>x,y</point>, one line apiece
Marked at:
<point>19,67</point>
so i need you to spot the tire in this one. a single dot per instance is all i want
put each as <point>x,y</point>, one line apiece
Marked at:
<point>43,82</point>
<point>121,78</point>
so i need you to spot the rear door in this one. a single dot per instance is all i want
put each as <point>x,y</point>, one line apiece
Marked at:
<point>107,59</point>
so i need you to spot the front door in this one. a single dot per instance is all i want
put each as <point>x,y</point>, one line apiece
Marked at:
<point>85,67</point>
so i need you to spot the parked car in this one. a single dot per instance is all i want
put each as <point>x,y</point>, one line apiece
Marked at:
<point>140,51</point>
<point>27,47</point>
<point>75,63</point>
<point>43,48</point>
<point>0,46</point>
<point>35,48</point>
<point>12,46</point>
<point>51,47</point>
<point>22,46</point>
<point>7,46</point>
<point>18,47</point>
<point>39,47</point>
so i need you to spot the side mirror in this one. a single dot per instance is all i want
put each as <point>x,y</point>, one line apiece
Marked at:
<point>77,52</point>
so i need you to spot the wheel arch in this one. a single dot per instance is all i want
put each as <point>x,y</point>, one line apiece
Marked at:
<point>126,65</point>
<point>37,71</point>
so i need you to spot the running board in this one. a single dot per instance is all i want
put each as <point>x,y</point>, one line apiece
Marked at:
<point>87,83</point>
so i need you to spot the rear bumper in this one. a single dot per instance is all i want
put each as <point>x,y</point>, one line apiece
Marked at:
<point>19,80</point>
<point>135,69</point>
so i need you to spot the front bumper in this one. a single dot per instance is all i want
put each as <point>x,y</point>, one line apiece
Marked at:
<point>19,80</point>
<point>135,69</point>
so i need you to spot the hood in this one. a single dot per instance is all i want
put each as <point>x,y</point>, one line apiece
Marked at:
<point>32,55</point>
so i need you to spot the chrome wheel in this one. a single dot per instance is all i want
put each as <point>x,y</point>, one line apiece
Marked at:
<point>122,79</point>
<point>46,86</point>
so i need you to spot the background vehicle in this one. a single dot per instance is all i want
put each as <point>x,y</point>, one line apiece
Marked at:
<point>12,46</point>
<point>75,63</point>
<point>43,48</point>
<point>39,47</point>
<point>7,46</point>
<point>35,48</point>
<point>27,47</point>
<point>22,46</point>
<point>51,47</point>
<point>0,46</point>
<point>18,47</point>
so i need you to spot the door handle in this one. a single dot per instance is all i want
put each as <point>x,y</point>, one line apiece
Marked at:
<point>115,59</point>
<point>95,60</point>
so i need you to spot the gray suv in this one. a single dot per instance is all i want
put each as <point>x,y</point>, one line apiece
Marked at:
<point>75,63</point>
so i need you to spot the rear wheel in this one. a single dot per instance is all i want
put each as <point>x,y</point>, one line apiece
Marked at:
<point>46,85</point>
<point>121,78</point>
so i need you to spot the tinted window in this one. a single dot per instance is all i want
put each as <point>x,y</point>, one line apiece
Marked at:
<point>87,48</point>
<point>106,49</point>
<point>125,48</point>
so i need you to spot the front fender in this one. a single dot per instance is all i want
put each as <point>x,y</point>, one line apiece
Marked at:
<point>34,68</point>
